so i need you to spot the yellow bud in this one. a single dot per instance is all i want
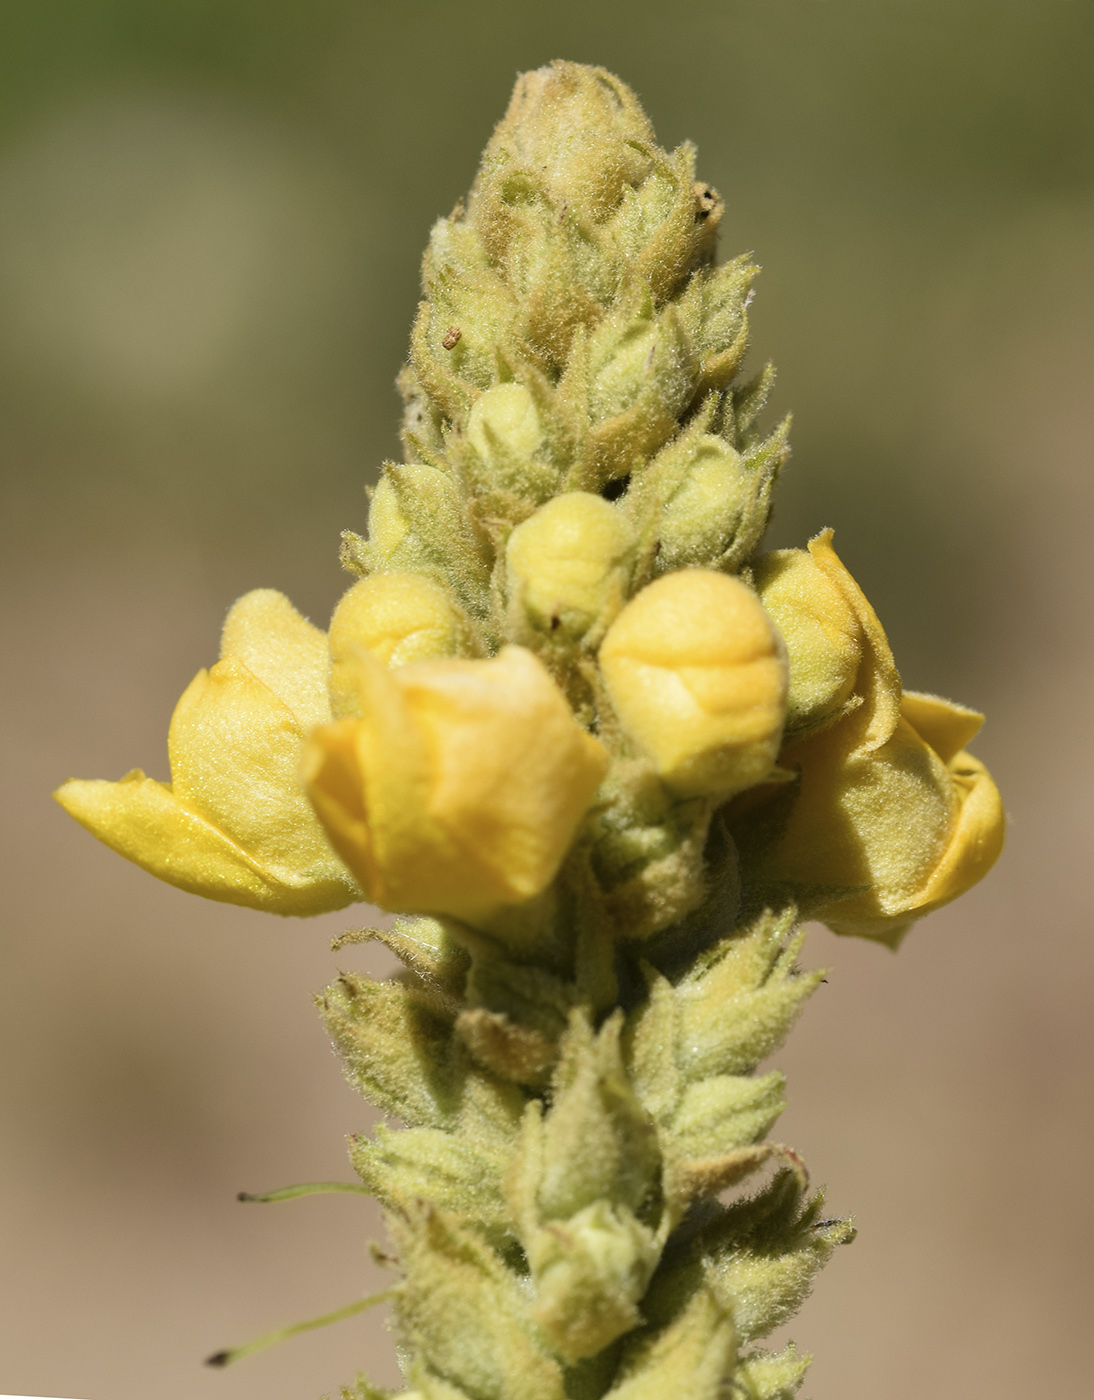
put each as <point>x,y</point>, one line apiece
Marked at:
<point>893,818</point>
<point>399,618</point>
<point>234,823</point>
<point>829,629</point>
<point>461,785</point>
<point>568,564</point>
<point>696,674</point>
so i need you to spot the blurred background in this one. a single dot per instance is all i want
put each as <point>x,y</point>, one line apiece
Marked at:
<point>211,217</point>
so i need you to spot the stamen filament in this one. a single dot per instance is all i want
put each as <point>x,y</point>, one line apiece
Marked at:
<point>232,1354</point>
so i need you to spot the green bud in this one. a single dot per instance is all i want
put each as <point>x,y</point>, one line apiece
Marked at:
<point>761,1255</point>
<point>701,501</point>
<point>644,374</point>
<point>704,513</point>
<point>507,434</point>
<point>597,1141</point>
<point>766,1375</point>
<point>722,333</point>
<point>692,1356</point>
<point>649,852</point>
<point>762,1289</point>
<point>417,525</point>
<point>396,1045</point>
<point>590,1273</point>
<point>582,1176</point>
<point>583,134</point>
<point>454,1171</point>
<point>463,1312</point>
<point>736,1006</point>
<point>718,1115</point>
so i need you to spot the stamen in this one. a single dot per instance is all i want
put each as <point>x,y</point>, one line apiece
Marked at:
<point>306,1188</point>
<point>233,1354</point>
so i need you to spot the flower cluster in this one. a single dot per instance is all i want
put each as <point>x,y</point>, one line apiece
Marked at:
<point>452,782</point>
<point>600,754</point>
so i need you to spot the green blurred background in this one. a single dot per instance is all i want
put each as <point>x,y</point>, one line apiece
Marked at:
<point>211,216</point>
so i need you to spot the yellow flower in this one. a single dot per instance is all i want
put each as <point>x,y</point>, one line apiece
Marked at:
<point>696,674</point>
<point>893,818</point>
<point>234,823</point>
<point>399,618</point>
<point>460,786</point>
<point>568,565</point>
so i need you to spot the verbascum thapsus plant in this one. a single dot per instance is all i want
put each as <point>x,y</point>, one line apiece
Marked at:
<point>602,757</point>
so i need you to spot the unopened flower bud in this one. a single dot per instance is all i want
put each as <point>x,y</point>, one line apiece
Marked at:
<point>590,1272</point>
<point>461,785</point>
<point>505,430</point>
<point>581,130</point>
<point>417,524</point>
<point>806,595</point>
<point>568,565</point>
<point>701,517</point>
<point>696,674</point>
<point>399,618</point>
<point>234,823</point>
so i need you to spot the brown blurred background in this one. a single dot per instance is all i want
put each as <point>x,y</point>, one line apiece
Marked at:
<point>211,215</point>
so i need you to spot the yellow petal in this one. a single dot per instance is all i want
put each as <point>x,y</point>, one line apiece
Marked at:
<point>235,749</point>
<point>283,650</point>
<point>895,832</point>
<point>399,618</point>
<point>978,834</point>
<point>825,644</point>
<point>235,823</point>
<point>142,820</point>
<point>947,727</point>
<point>695,672</point>
<point>460,786</point>
<point>878,681</point>
<point>368,779</point>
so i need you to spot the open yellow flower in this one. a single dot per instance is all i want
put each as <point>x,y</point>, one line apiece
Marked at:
<point>460,785</point>
<point>234,823</point>
<point>893,817</point>
<point>696,674</point>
